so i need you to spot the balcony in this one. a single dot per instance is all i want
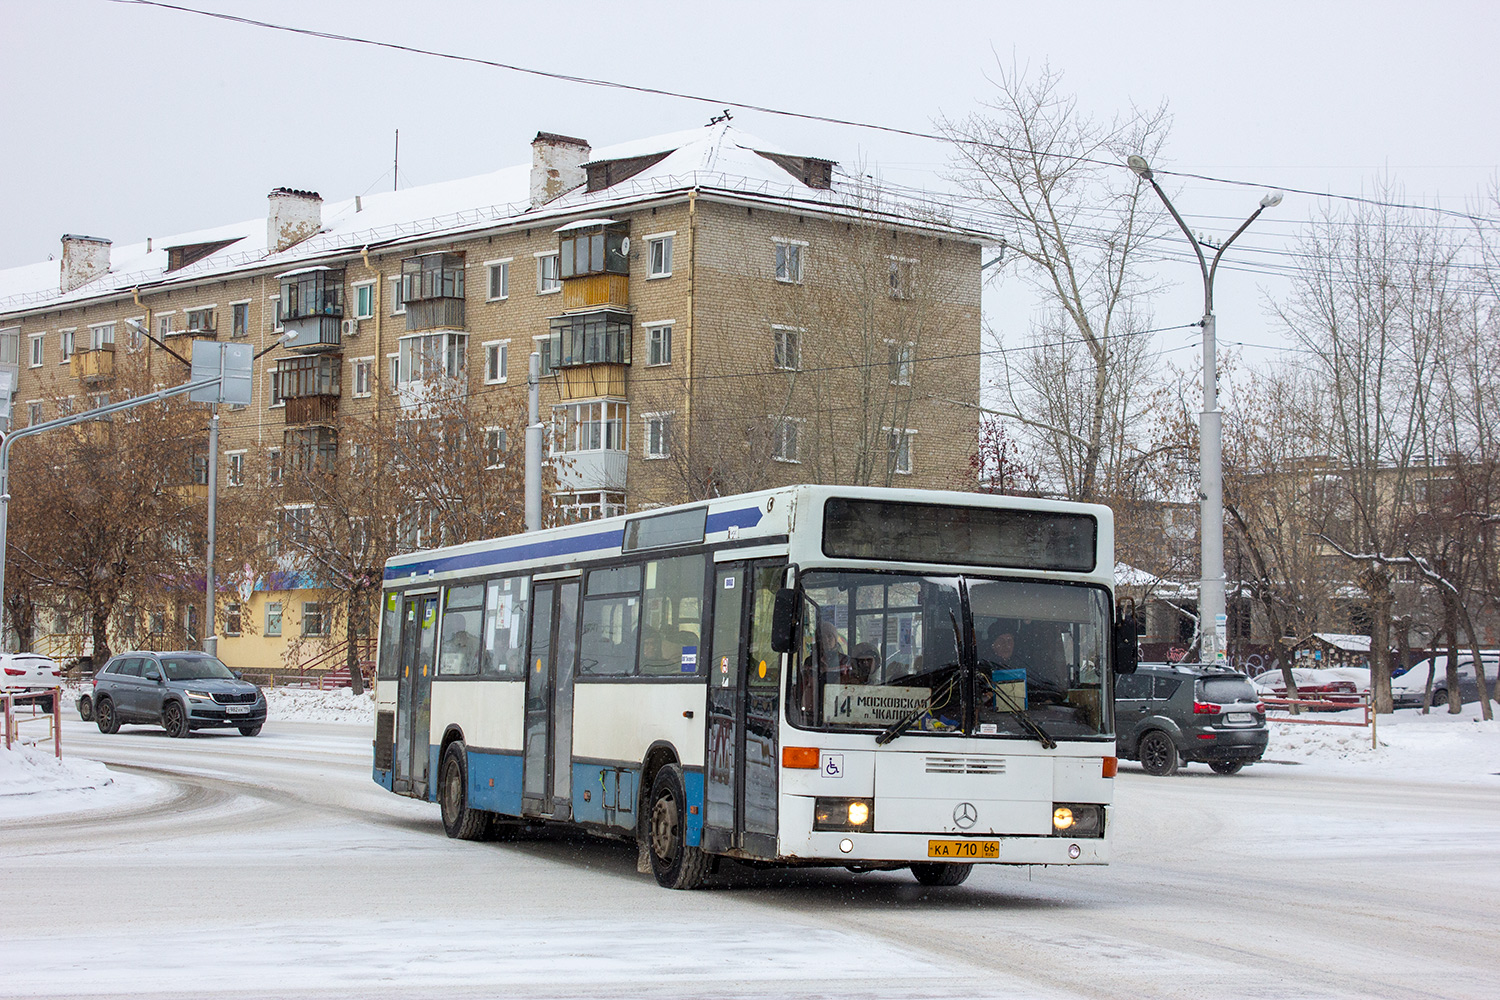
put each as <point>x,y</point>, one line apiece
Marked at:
<point>312,307</point>
<point>94,365</point>
<point>594,291</point>
<point>591,351</point>
<point>432,287</point>
<point>310,386</point>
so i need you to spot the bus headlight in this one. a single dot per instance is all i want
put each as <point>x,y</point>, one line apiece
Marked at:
<point>843,814</point>
<point>1070,819</point>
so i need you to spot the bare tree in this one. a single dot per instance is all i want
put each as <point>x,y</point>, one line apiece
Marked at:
<point>1370,301</point>
<point>1078,229</point>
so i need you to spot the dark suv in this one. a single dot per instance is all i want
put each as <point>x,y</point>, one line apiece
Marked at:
<point>179,691</point>
<point>1168,714</point>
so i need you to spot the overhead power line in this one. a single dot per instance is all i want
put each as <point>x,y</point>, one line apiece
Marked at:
<point>335,36</point>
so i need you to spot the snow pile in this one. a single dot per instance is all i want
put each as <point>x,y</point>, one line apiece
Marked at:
<point>27,770</point>
<point>1436,747</point>
<point>336,705</point>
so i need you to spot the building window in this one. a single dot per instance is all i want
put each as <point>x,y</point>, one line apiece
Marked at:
<point>364,376</point>
<point>659,250</point>
<point>164,324</point>
<point>588,506</point>
<point>314,619</point>
<point>394,362</point>
<point>364,300</point>
<point>903,277</point>
<point>33,413</point>
<point>38,349</point>
<point>597,426</point>
<point>239,319</point>
<point>236,474</point>
<point>544,350</point>
<point>273,309</point>
<point>427,356</point>
<point>277,399</point>
<point>232,619</point>
<point>658,435</point>
<point>494,447</point>
<point>102,337</point>
<point>273,618</point>
<point>135,326</point>
<point>10,346</point>
<point>659,341</point>
<point>496,361</point>
<point>899,450</point>
<point>66,347</point>
<point>548,277</point>
<point>789,261</point>
<point>784,443</point>
<point>788,347</point>
<point>201,320</point>
<point>398,298</point>
<point>900,360</point>
<point>273,466</point>
<point>499,272</point>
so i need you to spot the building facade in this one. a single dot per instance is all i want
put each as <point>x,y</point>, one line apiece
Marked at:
<point>712,314</point>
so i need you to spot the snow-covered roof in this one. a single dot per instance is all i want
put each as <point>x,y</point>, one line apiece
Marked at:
<point>718,160</point>
<point>1343,640</point>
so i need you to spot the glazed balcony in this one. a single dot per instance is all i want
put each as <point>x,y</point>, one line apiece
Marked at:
<point>432,288</point>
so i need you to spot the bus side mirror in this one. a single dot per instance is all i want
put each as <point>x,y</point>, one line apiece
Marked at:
<point>1127,648</point>
<point>784,620</point>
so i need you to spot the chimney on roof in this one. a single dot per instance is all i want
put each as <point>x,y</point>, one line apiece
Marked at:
<point>293,217</point>
<point>556,166</point>
<point>84,258</point>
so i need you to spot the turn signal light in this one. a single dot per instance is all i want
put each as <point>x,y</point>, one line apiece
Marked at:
<point>1111,765</point>
<point>800,757</point>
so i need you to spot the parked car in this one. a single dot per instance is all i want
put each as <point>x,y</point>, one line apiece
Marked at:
<point>1169,714</point>
<point>1337,685</point>
<point>1408,690</point>
<point>179,691</point>
<point>23,673</point>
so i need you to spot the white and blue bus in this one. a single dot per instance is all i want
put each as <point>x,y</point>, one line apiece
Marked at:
<point>875,678</point>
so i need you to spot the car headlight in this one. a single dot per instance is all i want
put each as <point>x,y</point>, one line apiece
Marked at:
<point>1070,819</point>
<point>199,695</point>
<point>843,814</point>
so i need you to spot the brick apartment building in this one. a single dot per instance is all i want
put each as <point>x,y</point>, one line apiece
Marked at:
<point>713,314</point>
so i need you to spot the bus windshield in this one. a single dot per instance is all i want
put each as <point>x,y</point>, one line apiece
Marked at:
<point>951,654</point>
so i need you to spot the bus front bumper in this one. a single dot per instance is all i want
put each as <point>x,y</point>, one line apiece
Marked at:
<point>905,848</point>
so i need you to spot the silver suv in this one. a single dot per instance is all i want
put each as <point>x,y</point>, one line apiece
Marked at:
<point>179,691</point>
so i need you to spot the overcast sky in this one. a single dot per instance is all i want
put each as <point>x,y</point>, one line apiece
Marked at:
<point>127,121</point>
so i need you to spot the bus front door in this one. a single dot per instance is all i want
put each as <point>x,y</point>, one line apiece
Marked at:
<point>743,709</point>
<point>414,695</point>
<point>547,775</point>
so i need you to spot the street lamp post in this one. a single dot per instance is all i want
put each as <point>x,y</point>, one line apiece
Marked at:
<point>1212,619</point>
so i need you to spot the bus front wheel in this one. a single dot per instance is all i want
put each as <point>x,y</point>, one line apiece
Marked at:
<point>673,862</point>
<point>941,874</point>
<point>459,820</point>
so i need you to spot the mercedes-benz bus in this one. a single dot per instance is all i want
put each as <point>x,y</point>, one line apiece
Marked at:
<point>813,675</point>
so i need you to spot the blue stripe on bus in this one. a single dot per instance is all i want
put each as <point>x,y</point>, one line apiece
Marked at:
<point>692,785</point>
<point>504,769</point>
<point>385,779</point>
<point>743,517</point>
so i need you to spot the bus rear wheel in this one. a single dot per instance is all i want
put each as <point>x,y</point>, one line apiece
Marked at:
<point>459,820</point>
<point>673,862</point>
<point>941,874</point>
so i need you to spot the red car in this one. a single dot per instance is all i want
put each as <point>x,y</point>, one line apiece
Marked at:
<point>1312,685</point>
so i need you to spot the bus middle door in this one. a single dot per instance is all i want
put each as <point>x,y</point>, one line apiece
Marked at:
<point>547,774</point>
<point>740,786</point>
<point>414,695</point>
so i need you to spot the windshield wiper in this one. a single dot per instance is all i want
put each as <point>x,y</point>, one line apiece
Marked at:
<point>911,718</point>
<point>1037,732</point>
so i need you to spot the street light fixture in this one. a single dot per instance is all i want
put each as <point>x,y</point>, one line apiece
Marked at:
<point>1213,622</point>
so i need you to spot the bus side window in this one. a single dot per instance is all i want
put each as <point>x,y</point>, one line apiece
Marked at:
<point>611,622</point>
<point>671,633</point>
<point>506,603</point>
<point>390,637</point>
<point>459,653</point>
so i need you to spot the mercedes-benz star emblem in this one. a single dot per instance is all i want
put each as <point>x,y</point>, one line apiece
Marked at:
<point>965,815</point>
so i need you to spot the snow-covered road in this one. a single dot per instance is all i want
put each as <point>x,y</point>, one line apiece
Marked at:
<point>274,867</point>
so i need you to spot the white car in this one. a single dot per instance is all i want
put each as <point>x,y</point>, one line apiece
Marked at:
<point>21,673</point>
<point>1408,690</point>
